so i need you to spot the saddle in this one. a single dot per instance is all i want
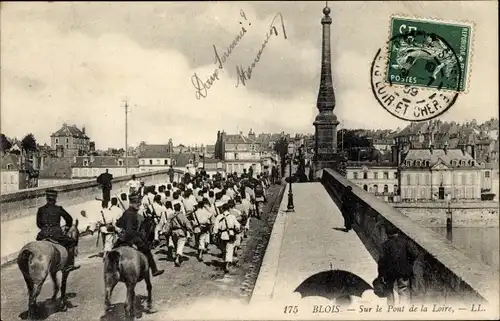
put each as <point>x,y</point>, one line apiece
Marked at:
<point>51,241</point>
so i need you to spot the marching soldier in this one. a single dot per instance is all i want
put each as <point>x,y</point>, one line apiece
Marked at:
<point>243,205</point>
<point>201,227</point>
<point>227,226</point>
<point>239,217</point>
<point>129,222</point>
<point>48,220</point>
<point>180,228</point>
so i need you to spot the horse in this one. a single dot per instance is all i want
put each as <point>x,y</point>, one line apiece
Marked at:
<point>128,265</point>
<point>38,259</point>
<point>434,52</point>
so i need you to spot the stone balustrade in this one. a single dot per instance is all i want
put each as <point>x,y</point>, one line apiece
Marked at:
<point>441,271</point>
<point>26,202</point>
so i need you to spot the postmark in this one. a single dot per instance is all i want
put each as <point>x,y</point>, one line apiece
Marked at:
<point>418,75</point>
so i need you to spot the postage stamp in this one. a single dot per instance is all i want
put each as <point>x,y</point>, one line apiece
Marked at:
<point>420,72</point>
<point>433,55</point>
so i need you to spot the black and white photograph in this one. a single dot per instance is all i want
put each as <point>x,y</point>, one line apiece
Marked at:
<point>249,160</point>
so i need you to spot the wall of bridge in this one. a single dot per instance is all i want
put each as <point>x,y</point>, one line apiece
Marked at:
<point>440,270</point>
<point>26,202</point>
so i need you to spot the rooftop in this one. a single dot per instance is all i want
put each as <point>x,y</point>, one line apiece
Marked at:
<point>103,161</point>
<point>69,130</point>
<point>155,151</point>
<point>436,156</point>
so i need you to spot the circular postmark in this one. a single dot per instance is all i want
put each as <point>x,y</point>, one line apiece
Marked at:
<point>418,78</point>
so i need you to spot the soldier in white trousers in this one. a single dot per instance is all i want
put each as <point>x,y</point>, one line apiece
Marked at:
<point>201,228</point>
<point>227,226</point>
<point>180,229</point>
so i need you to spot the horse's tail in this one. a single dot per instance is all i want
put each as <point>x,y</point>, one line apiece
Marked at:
<point>113,260</point>
<point>23,260</point>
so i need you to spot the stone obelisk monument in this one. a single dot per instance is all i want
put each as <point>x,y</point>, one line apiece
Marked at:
<point>325,149</point>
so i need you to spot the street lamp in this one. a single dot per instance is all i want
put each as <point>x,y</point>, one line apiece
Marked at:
<point>449,218</point>
<point>290,207</point>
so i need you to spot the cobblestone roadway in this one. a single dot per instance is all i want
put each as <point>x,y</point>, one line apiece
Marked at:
<point>178,287</point>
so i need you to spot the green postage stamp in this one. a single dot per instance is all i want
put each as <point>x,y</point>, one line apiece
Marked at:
<point>429,54</point>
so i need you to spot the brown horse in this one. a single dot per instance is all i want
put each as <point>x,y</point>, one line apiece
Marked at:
<point>38,259</point>
<point>128,265</point>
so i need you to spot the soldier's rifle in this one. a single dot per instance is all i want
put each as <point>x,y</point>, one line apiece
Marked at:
<point>99,228</point>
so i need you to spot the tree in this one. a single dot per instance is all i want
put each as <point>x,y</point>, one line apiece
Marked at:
<point>281,147</point>
<point>28,143</point>
<point>5,144</point>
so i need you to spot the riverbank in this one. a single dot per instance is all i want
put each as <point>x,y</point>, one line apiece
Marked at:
<point>462,216</point>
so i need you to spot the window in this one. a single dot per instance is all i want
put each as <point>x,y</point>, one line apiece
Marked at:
<point>120,162</point>
<point>427,163</point>
<point>57,140</point>
<point>417,163</point>
<point>395,175</point>
<point>158,162</point>
<point>150,162</point>
<point>67,146</point>
<point>166,162</point>
<point>67,140</point>
<point>375,175</point>
<point>174,162</point>
<point>85,163</point>
<point>386,175</point>
<point>143,162</point>
<point>355,175</point>
<point>365,175</point>
<point>386,189</point>
<point>365,187</point>
<point>9,166</point>
<point>487,174</point>
<point>408,179</point>
<point>408,163</point>
<point>395,189</point>
<point>235,155</point>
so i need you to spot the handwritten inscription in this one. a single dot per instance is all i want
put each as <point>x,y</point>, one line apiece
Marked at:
<point>246,74</point>
<point>203,86</point>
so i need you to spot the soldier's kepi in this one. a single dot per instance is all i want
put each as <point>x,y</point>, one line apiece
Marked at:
<point>48,220</point>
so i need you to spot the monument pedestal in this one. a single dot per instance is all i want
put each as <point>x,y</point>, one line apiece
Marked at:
<point>318,165</point>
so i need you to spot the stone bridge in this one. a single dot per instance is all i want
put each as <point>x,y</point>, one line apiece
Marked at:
<point>303,243</point>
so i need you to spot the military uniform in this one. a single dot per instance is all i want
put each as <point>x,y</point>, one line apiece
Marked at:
<point>48,220</point>
<point>129,222</point>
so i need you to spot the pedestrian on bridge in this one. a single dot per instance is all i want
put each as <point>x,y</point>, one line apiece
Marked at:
<point>105,181</point>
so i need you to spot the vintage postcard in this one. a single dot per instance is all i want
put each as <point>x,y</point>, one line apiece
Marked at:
<point>272,160</point>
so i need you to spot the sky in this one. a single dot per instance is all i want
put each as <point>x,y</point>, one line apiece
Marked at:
<point>78,62</point>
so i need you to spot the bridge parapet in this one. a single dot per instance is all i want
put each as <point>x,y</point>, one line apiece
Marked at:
<point>442,272</point>
<point>25,202</point>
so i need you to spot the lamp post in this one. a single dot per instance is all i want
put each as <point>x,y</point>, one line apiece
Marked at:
<point>290,207</point>
<point>449,219</point>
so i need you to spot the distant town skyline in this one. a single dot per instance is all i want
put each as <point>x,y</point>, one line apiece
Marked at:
<point>77,62</point>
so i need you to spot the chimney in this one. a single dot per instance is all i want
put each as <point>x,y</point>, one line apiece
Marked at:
<point>83,130</point>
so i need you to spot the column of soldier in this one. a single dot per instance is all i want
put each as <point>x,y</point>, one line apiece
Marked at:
<point>200,210</point>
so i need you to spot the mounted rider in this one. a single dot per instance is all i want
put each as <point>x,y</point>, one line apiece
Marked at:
<point>48,220</point>
<point>131,235</point>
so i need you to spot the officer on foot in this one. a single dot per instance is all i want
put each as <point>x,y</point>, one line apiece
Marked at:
<point>48,220</point>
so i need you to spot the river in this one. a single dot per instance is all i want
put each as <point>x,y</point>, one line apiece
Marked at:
<point>481,243</point>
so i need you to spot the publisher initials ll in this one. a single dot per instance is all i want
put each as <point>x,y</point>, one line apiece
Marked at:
<point>477,308</point>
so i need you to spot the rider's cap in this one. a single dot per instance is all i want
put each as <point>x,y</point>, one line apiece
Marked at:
<point>51,194</point>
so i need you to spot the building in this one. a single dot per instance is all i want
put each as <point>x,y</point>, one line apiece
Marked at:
<point>88,167</point>
<point>9,168</point>
<point>433,174</point>
<point>380,180</point>
<point>490,178</point>
<point>238,152</point>
<point>57,171</point>
<point>383,144</point>
<point>69,140</point>
<point>213,166</point>
<point>155,157</point>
